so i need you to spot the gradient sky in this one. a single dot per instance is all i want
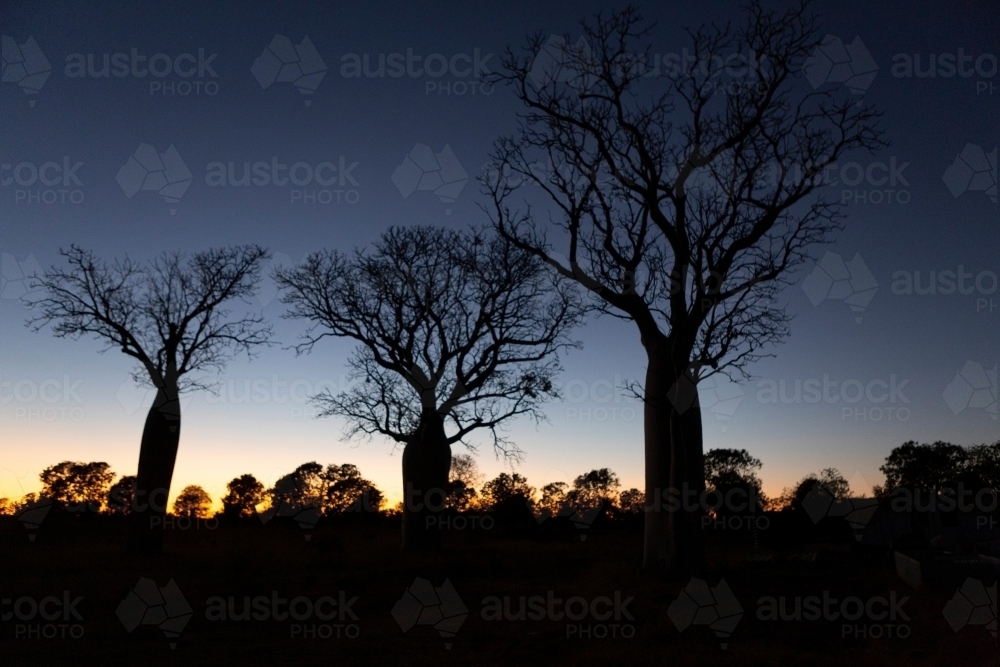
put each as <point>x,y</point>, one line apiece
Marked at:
<point>61,400</point>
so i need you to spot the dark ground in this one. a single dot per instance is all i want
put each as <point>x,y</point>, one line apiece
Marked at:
<point>362,558</point>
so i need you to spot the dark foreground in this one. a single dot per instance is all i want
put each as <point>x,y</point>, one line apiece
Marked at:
<point>70,597</point>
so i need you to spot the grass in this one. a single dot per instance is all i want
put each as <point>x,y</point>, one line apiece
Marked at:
<point>363,559</point>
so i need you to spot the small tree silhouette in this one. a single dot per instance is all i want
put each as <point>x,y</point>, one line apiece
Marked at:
<point>243,494</point>
<point>77,487</point>
<point>631,501</point>
<point>193,501</point>
<point>553,499</point>
<point>348,491</point>
<point>463,479</point>
<point>507,490</point>
<point>7,507</point>
<point>927,467</point>
<point>303,488</point>
<point>593,488</point>
<point>121,497</point>
<point>728,471</point>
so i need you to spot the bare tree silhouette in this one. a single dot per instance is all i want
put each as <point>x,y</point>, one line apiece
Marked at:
<point>457,333</point>
<point>679,208</point>
<point>170,316</point>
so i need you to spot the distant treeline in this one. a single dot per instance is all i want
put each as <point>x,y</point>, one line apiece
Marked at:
<point>338,489</point>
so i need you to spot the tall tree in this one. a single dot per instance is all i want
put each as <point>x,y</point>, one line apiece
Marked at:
<point>679,208</point>
<point>457,332</point>
<point>171,316</point>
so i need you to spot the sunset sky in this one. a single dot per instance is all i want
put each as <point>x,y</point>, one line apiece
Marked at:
<point>903,367</point>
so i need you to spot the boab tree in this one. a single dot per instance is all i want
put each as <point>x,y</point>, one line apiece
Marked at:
<point>458,332</point>
<point>680,205</point>
<point>171,316</point>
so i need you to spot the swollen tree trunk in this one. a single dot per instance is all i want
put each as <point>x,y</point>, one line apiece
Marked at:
<point>656,431</point>
<point>426,464</point>
<point>673,539</point>
<point>686,546</point>
<point>157,456</point>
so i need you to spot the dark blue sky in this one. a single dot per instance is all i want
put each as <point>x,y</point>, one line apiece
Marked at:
<point>932,348</point>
